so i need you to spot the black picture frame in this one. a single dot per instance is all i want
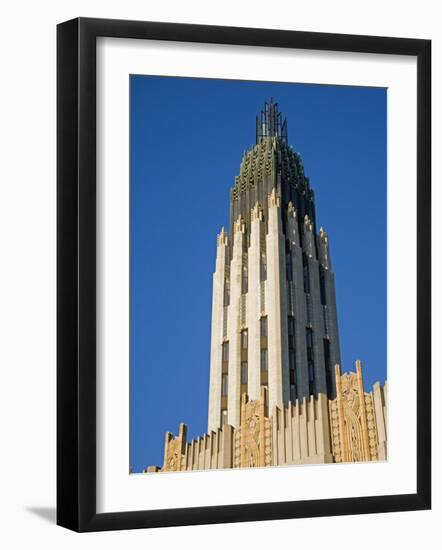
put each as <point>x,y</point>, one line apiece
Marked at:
<point>77,287</point>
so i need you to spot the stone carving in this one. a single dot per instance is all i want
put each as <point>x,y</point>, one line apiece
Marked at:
<point>268,457</point>
<point>237,449</point>
<point>371,425</point>
<point>347,428</point>
<point>273,198</point>
<point>352,414</point>
<point>253,439</point>
<point>175,451</point>
<point>335,435</point>
<point>251,427</point>
<point>354,433</point>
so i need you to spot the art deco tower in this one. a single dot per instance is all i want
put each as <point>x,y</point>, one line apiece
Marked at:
<point>277,395</point>
<point>274,318</point>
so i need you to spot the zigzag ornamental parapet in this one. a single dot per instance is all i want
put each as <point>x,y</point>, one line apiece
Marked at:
<point>311,431</point>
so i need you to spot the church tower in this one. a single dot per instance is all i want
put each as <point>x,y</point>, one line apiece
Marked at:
<point>274,318</point>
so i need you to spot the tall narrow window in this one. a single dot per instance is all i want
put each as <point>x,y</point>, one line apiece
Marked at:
<point>244,339</point>
<point>322,285</point>
<point>309,337</point>
<point>291,328</point>
<point>306,273</point>
<point>310,359</point>
<point>327,354</point>
<point>292,393</point>
<point>244,280</point>
<point>225,352</point>
<point>292,359</point>
<point>288,266</point>
<point>292,376</point>
<point>226,292</point>
<point>224,384</point>
<point>263,322</point>
<point>244,368</point>
<point>266,397</point>
<point>264,362</point>
<point>311,377</point>
<point>328,370</point>
<point>223,417</point>
<point>263,267</point>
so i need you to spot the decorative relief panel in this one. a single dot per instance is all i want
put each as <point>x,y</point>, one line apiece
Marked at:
<point>250,427</point>
<point>353,425</point>
<point>243,310</point>
<point>335,432</point>
<point>253,440</point>
<point>172,462</point>
<point>260,441</point>
<point>268,452</point>
<point>174,456</point>
<point>262,297</point>
<point>237,449</point>
<point>352,417</point>
<point>371,425</point>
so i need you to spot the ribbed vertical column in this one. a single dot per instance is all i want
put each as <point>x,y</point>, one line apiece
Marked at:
<point>218,313</point>
<point>323,441</point>
<point>300,304</point>
<point>225,456</point>
<point>233,328</point>
<point>341,420</point>
<point>254,306</point>
<point>380,406</point>
<point>276,300</point>
<point>320,385</point>
<point>363,418</point>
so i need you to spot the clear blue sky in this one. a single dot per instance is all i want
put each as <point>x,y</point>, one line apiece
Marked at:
<point>187,140</point>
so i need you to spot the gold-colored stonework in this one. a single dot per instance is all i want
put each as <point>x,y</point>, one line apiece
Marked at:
<point>174,450</point>
<point>353,423</point>
<point>349,428</point>
<point>253,439</point>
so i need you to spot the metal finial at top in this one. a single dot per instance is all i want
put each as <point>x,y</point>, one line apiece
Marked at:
<point>270,123</point>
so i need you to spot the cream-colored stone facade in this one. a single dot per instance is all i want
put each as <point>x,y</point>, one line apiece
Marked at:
<point>350,428</point>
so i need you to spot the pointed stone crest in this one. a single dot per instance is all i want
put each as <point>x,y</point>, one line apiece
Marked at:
<point>291,210</point>
<point>222,237</point>
<point>274,199</point>
<point>240,225</point>
<point>308,225</point>
<point>257,213</point>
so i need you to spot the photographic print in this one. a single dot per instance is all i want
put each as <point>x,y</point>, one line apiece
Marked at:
<point>258,274</point>
<point>227,262</point>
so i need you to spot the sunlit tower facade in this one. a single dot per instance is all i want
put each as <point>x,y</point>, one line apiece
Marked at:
<point>274,317</point>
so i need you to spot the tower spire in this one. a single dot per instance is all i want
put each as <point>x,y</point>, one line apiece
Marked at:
<point>270,123</point>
